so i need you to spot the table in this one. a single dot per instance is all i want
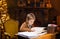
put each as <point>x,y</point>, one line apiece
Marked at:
<point>45,36</point>
<point>30,34</point>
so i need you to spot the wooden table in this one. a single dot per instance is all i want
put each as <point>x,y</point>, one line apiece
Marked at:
<point>46,36</point>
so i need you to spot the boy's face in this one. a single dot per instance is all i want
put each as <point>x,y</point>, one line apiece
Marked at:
<point>31,21</point>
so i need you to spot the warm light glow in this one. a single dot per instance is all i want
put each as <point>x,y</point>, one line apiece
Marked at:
<point>3,8</point>
<point>48,5</point>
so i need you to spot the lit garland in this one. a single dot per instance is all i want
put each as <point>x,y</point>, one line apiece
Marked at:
<point>3,12</point>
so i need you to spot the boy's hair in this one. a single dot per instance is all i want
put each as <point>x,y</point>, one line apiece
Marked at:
<point>30,16</point>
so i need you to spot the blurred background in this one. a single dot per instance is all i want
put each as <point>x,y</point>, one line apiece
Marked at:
<point>46,11</point>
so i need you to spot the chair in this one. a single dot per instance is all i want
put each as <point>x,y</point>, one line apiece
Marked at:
<point>11,28</point>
